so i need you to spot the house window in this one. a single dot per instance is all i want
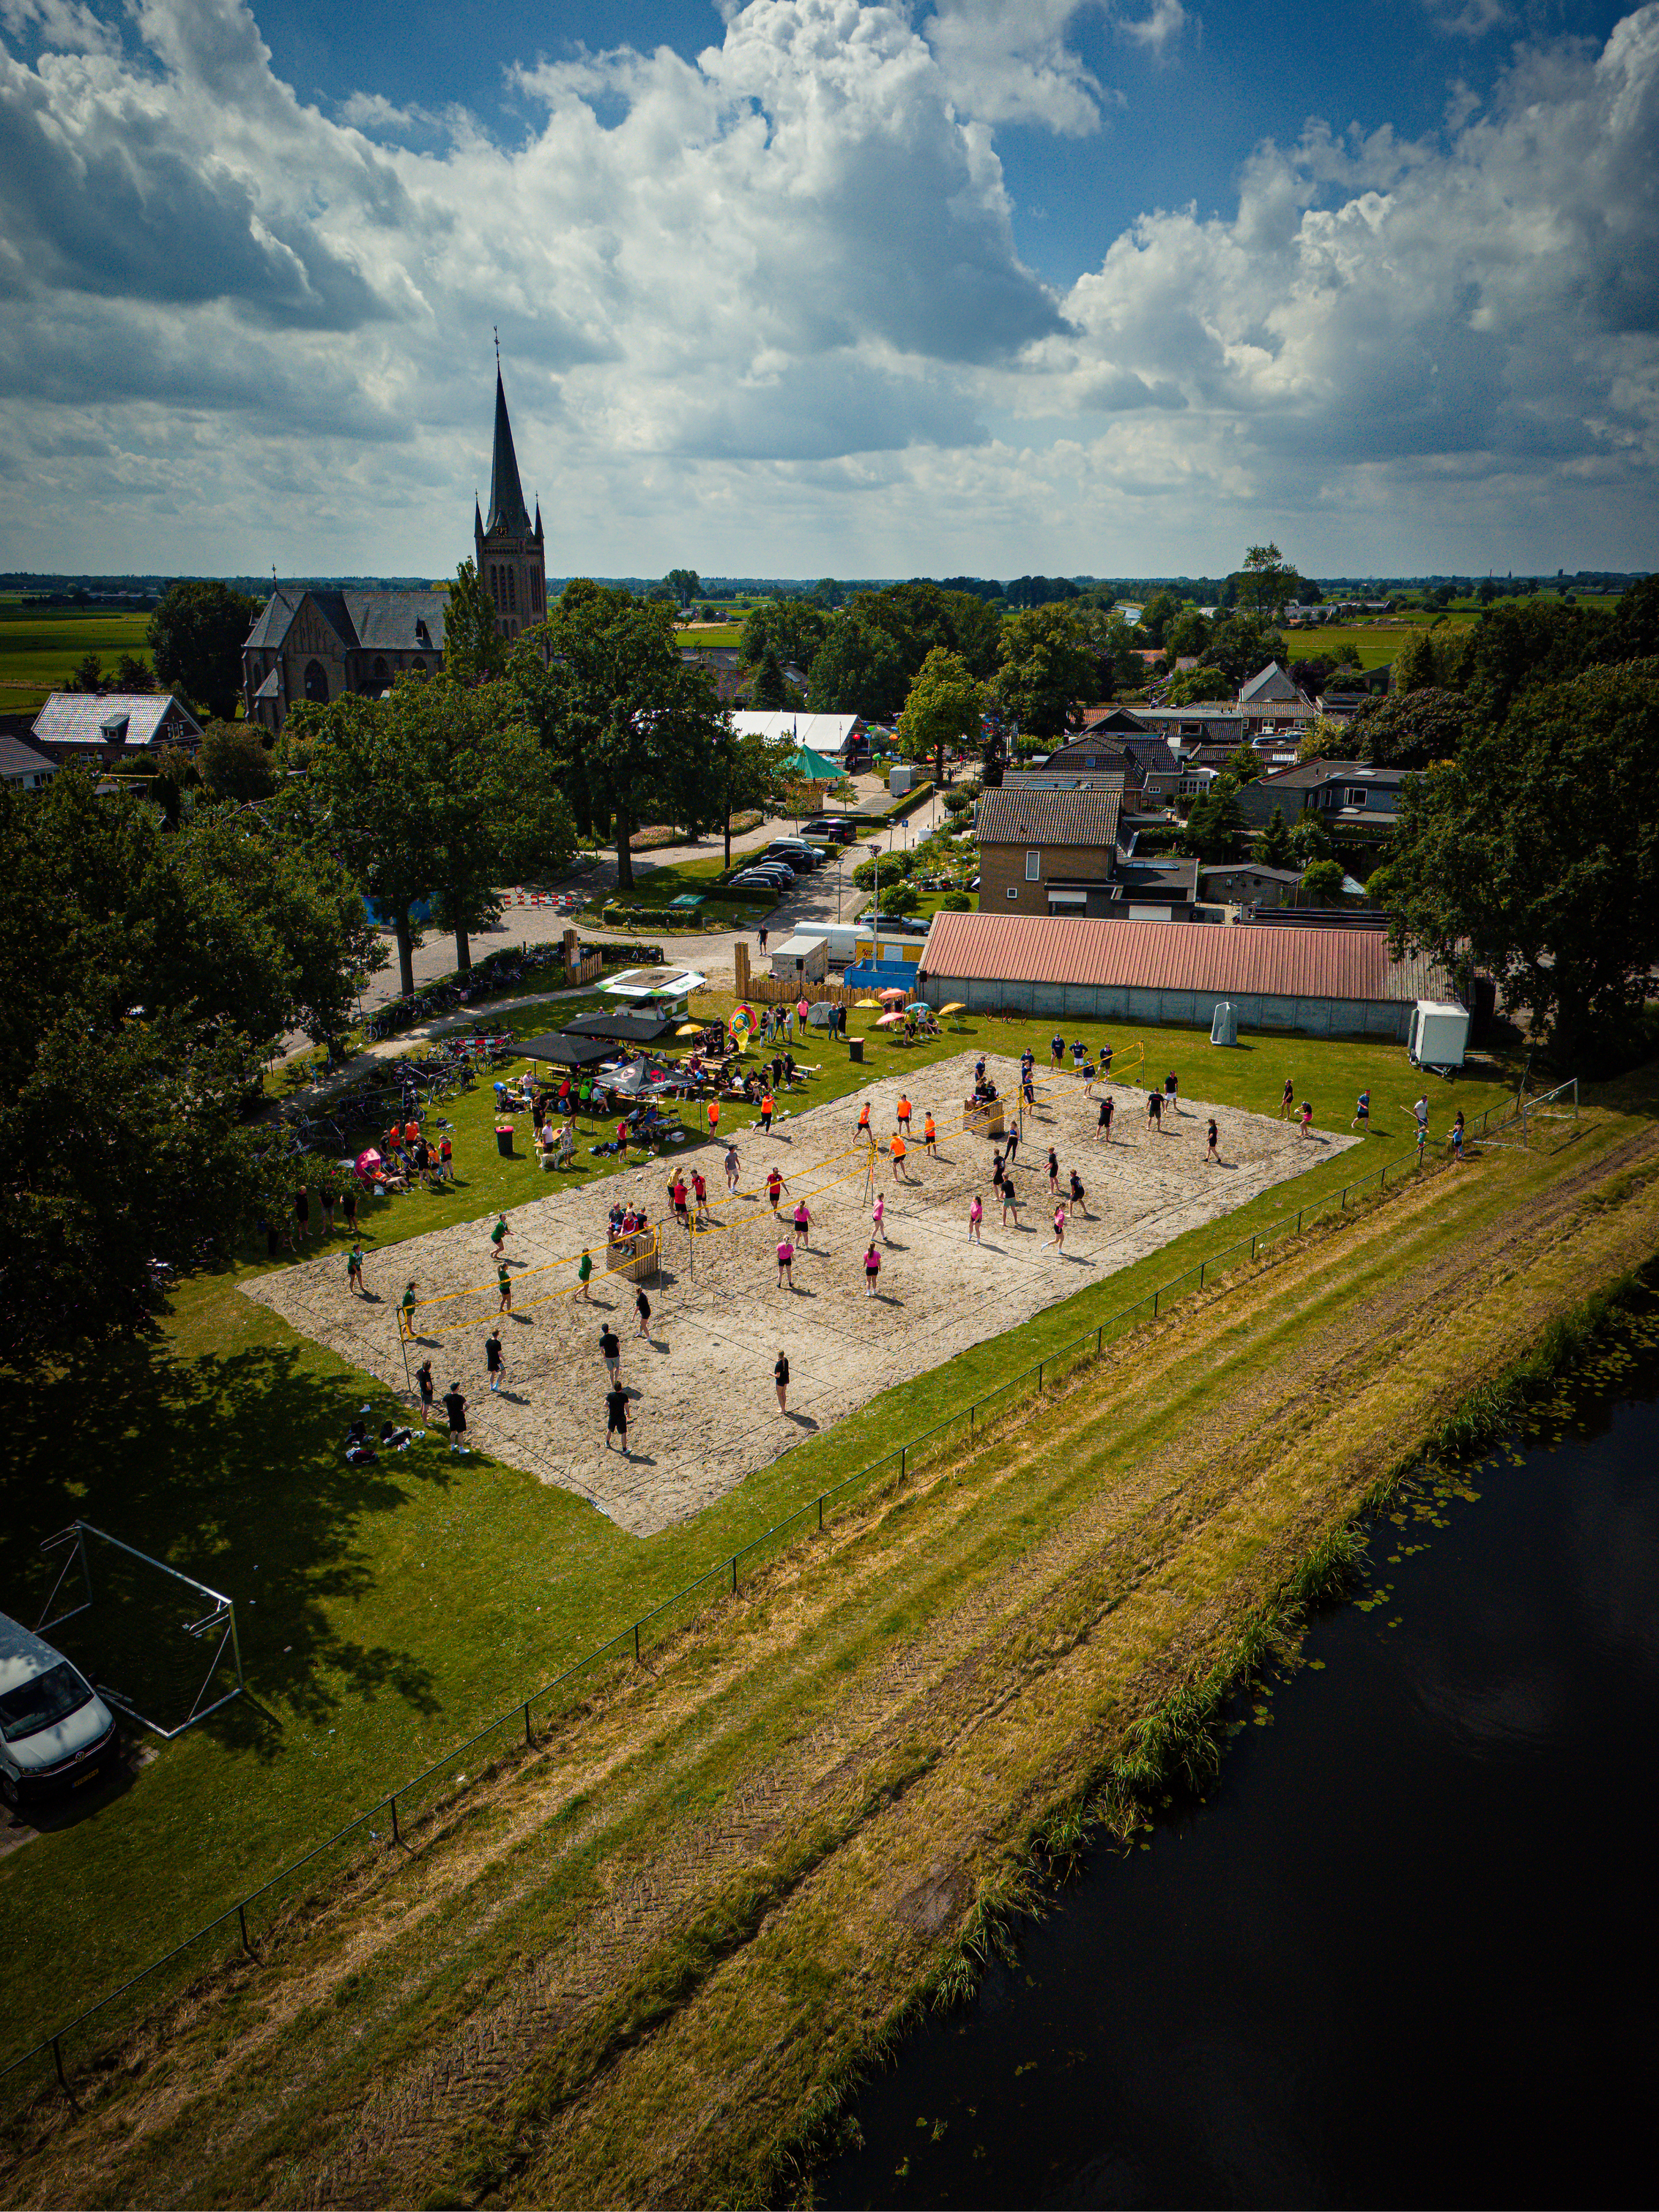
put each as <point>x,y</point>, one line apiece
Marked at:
<point>382,673</point>
<point>1033,867</point>
<point>316,683</point>
<point>1013,891</point>
<point>1354,795</point>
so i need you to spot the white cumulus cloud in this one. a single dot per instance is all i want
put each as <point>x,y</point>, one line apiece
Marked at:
<point>765,310</point>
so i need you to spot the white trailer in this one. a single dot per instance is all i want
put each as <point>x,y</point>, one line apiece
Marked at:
<point>1439,1032</point>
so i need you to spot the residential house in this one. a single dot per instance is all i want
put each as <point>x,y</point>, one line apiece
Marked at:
<point>1048,852</point>
<point>23,768</point>
<point>107,726</point>
<point>1351,798</point>
<point>1272,704</point>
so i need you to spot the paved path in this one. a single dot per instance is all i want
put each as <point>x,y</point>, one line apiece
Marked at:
<point>814,898</point>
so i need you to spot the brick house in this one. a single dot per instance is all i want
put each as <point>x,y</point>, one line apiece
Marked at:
<point>1048,852</point>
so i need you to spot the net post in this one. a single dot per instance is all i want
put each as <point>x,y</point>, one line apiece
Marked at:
<point>57,2061</point>
<point>528,1738</point>
<point>393,1802</point>
<point>242,1919</point>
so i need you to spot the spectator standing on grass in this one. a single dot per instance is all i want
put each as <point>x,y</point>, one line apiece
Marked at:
<point>1362,1113</point>
<point>785,1264</point>
<point>610,1351</point>
<point>615,1416</point>
<point>493,1357</point>
<point>355,1271</point>
<point>455,1408</point>
<point>303,1213</point>
<point>801,1013</point>
<point>1287,1100</point>
<point>427,1387</point>
<point>1105,1062</point>
<point>1056,1049</point>
<point>445,1161</point>
<point>781,1377</point>
<point>1172,1091</point>
<point>976,1215</point>
<point>871,1269</point>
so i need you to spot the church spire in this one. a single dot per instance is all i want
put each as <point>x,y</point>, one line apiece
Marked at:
<point>477,520</point>
<point>507,508</point>
<point>538,523</point>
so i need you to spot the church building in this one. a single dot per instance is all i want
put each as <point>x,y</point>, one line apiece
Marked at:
<point>318,644</point>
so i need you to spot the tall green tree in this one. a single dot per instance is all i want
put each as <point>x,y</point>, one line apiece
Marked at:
<point>1045,669</point>
<point>235,761</point>
<point>793,628</point>
<point>133,674</point>
<point>1266,579</point>
<point>196,637</point>
<point>474,653</point>
<point>744,772</point>
<point>1216,824</point>
<point>1197,686</point>
<point>769,691</point>
<point>133,1027</point>
<point>942,707</point>
<point>1274,847</point>
<point>1411,729</point>
<point>685,584</point>
<point>375,783</point>
<point>1532,854</point>
<point>1321,882</point>
<point>632,726</point>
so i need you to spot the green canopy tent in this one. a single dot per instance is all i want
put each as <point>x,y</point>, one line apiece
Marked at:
<point>811,767</point>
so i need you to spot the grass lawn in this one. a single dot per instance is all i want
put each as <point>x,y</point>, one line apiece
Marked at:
<point>712,635</point>
<point>1375,643</point>
<point>39,650</point>
<point>384,1611</point>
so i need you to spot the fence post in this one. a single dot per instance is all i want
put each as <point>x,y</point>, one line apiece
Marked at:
<point>1200,1274</point>
<point>820,1513</point>
<point>1100,1339</point>
<point>57,2061</point>
<point>735,1572</point>
<point>1252,1248</point>
<point>242,1915</point>
<point>396,1838</point>
<point>527,1736</point>
<point>1039,1375</point>
<point>1154,1306</point>
<point>1298,1224</point>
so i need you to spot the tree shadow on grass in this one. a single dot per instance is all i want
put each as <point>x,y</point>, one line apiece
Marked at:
<point>231,1467</point>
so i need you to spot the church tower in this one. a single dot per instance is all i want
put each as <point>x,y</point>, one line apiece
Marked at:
<point>512,565</point>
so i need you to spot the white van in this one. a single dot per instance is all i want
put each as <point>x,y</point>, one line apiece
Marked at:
<point>56,1732</point>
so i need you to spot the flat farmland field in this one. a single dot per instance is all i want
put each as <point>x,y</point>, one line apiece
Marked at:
<point>38,649</point>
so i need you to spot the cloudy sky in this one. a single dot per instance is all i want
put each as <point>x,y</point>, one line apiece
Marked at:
<point>810,286</point>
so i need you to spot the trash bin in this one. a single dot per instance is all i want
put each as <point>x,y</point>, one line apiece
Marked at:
<point>504,1140</point>
<point>855,1048</point>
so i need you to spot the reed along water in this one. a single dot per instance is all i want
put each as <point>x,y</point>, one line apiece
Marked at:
<point>1403,1953</point>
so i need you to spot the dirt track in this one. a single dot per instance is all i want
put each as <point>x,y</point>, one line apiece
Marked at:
<point>634,1960</point>
<point>704,1413</point>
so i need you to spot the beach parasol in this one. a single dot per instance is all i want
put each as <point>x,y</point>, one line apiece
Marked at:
<point>956,1006</point>
<point>366,1162</point>
<point>890,1021</point>
<point>888,997</point>
<point>689,1029</point>
<point>866,1005</point>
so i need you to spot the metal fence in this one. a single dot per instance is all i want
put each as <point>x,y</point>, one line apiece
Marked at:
<point>390,1821</point>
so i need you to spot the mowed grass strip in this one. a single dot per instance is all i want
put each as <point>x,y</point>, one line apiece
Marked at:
<point>758,1818</point>
<point>387,1611</point>
<point>38,649</point>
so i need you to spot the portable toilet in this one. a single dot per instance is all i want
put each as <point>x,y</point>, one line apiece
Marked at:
<point>1439,1031</point>
<point>1223,1023</point>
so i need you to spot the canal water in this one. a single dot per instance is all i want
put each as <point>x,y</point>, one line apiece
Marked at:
<point>1404,1952</point>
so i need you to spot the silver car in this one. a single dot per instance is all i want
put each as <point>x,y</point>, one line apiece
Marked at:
<point>56,1732</point>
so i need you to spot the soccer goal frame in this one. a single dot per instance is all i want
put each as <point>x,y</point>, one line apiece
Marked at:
<point>217,1625</point>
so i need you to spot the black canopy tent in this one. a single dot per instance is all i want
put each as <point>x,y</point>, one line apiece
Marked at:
<point>566,1051</point>
<point>621,1028</point>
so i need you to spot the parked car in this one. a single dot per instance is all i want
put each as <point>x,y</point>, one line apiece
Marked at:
<point>759,879</point>
<point>56,1732</point>
<point>794,852</point>
<point>834,832</point>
